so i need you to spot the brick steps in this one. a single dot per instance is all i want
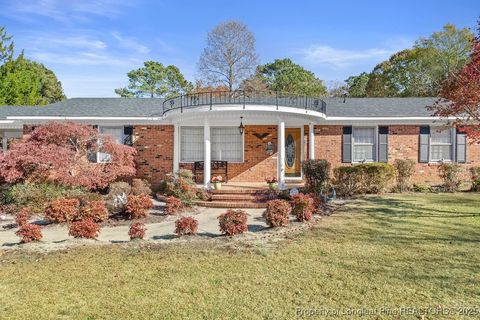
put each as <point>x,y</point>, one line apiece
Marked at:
<point>231,205</point>
<point>237,198</point>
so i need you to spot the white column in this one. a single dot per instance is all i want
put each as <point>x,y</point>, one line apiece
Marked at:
<point>4,143</point>
<point>311,142</point>
<point>281,154</point>
<point>206,155</point>
<point>176,148</point>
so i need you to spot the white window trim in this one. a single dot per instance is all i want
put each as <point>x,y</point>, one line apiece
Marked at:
<point>453,146</point>
<point>109,127</point>
<point>179,145</point>
<point>375,143</point>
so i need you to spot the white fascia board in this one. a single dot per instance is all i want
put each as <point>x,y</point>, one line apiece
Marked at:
<point>83,118</point>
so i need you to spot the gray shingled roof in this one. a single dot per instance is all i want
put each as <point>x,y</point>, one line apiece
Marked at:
<point>131,107</point>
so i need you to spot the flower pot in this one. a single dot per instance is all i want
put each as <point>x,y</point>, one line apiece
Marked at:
<point>217,185</point>
<point>273,186</point>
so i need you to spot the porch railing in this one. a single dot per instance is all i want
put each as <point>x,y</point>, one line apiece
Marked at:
<point>244,98</point>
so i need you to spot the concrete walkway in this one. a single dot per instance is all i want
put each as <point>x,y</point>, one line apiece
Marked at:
<point>207,219</point>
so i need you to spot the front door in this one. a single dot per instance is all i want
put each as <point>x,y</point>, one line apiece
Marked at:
<point>293,149</point>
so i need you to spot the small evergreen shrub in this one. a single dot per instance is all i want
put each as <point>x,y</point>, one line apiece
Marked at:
<point>475,176</point>
<point>186,226</point>
<point>303,207</point>
<point>233,222</point>
<point>141,186</point>
<point>173,205</point>
<point>405,169</point>
<point>182,186</point>
<point>137,230</point>
<point>29,232</point>
<point>138,206</point>
<point>94,209</point>
<point>348,181</point>
<point>86,228</point>
<point>22,216</point>
<point>450,175</point>
<point>423,188</point>
<point>277,213</point>
<point>317,174</point>
<point>376,176</point>
<point>62,210</point>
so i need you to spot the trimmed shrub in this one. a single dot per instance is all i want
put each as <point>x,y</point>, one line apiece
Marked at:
<point>317,174</point>
<point>86,228</point>
<point>182,186</point>
<point>173,205</point>
<point>475,176</point>
<point>376,176</point>
<point>450,175</point>
<point>141,186</point>
<point>62,210</point>
<point>423,188</point>
<point>186,226</point>
<point>277,213</point>
<point>233,222</point>
<point>35,196</point>
<point>137,230</point>
<point>29,232</point>
<point>303,207</point>
<point>405,169</point>
<point>22,216</point>
<point>363,178</point>
<point>138,206</point>
<point>95,210</point>
<point>348,181</point>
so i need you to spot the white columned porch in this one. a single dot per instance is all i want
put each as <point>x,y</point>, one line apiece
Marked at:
<point>206,155</point>
<point>311,141</point>
<point>176,148</point>
<point>281,155</point>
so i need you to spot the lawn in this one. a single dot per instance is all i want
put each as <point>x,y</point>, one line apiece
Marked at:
<point>410,251</point>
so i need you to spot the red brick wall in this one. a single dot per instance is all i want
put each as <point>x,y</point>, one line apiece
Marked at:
<point>154,146</point>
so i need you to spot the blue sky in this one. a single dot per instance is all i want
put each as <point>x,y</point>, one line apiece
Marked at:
<point>91,45</point>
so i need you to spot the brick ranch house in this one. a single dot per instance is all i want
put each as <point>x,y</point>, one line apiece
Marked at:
<point>253,136</point>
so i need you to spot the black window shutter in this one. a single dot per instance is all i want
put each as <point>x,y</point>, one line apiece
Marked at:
<point>461,147</point>
<point>128,135</point>
<point>347,145</point>
<point>382,144</point>
<point>424,145</point>
<point>92,156</point>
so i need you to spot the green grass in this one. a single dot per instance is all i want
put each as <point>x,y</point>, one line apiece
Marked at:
<point>391,251</point>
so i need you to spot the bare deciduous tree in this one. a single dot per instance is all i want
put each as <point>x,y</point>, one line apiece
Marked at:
<point>229,56</point>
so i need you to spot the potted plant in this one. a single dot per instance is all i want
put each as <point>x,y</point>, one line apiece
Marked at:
<point>217,182</point>
<point>272,183</point>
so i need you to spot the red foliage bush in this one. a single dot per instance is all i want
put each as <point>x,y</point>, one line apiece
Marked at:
<point>62,210</point>
<point>22,216</point>
<point>277,213</point>
<point>29,232</point>
<point>303,207</point>
<point>233,222</point>
<point>94,209</point>
<point>137,230</point>
<point>60,153</point>
<point>173,205</point>
<point>186,226</point>
<point>86,228</point>
<point>138,206</point>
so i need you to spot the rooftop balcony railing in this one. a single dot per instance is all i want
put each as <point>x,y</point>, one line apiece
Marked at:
<point>244,98</point>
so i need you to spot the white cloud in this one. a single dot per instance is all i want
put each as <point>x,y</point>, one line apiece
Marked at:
<point>342,58</point>
<point>130,43</point>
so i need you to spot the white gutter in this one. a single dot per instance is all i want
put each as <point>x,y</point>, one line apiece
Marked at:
<point>81,118</point>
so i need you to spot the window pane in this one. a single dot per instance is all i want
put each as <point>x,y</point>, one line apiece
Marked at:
<point>115,133</point>
<point>227,144</point>
<point>363,153</point>
<point>440,152</point>
<point>364,135</point>
<point>191,144</point>
<point>443,136</point>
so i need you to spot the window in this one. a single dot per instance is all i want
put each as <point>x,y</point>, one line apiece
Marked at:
<point>117,134</point>
<point>227,144</point>
<point>191,144</point>
<point>363,144</point>
<point>441,144</point>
